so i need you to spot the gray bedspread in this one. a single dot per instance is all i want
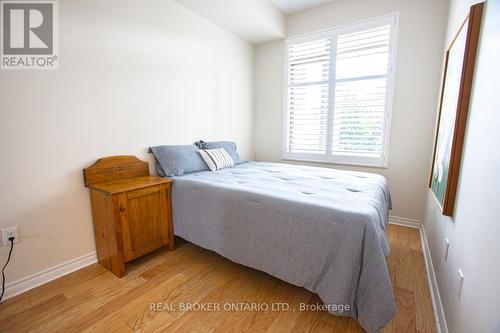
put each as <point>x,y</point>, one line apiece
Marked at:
<point>318,228</point>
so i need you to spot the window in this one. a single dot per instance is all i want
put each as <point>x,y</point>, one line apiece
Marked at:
<point>339,93</point>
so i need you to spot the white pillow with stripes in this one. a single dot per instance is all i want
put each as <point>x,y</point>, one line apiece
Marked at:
<point>217,158</point>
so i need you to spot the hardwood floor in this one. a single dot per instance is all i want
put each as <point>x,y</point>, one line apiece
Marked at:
<point>93,299</point>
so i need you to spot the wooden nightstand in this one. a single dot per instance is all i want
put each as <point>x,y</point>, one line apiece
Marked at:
<point>132,211</point>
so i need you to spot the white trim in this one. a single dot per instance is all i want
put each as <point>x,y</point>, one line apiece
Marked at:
<point>404,221</point>
<point>437,305</point>
<point>363,161</point>
<point>391,83</point>
<point>24,284</point>
<point>309,160</point>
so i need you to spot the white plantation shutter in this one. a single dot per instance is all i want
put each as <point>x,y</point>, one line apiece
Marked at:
<point>360,91</point>
<point>308,87</point>
<point>338,94</point>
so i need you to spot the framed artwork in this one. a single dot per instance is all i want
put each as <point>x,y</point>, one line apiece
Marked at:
<point>453,108</point>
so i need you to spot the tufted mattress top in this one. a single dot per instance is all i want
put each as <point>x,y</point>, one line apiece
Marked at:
<point>345,191</point>
<point>319,228</point>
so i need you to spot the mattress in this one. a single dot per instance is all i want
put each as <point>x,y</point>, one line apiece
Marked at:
<point>318,228</point>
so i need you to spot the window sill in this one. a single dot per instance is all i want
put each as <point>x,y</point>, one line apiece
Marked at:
<point>361,165</point>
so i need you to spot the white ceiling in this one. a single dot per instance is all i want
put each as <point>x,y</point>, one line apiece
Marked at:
<point>256,21</point>
<point>293,6</point>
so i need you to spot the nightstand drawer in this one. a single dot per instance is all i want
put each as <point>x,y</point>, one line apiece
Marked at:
<point>142,192</point>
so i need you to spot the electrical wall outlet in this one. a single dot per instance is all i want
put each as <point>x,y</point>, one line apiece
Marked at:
<point>10,232</point>
<point>446,249</point>
<point>460,283</point>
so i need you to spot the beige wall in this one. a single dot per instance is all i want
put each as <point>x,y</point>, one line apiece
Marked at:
<point>474,229</point>
<point>132,74</point>
<point>419,55</point>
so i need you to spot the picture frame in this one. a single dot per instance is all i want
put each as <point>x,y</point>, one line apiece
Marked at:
<point>453,109</point>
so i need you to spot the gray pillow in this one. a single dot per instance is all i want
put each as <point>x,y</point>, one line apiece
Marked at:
<point>199,144</point>
<point>178,160</point>
<point>229,146</point>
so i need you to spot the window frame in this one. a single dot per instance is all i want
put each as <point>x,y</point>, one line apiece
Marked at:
<point>344,159</point>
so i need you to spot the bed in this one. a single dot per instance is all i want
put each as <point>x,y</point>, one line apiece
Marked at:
<point>318,228</point>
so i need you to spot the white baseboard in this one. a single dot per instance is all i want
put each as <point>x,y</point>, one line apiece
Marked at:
<point>441,326</point>
<point>404,221</point>
<point>20,286</point>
